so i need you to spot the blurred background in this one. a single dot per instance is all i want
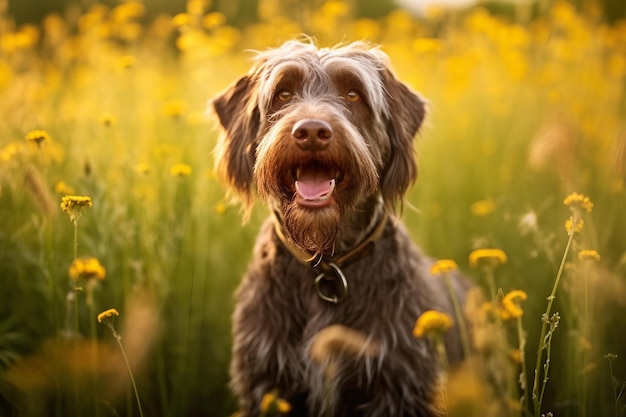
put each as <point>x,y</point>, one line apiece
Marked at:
<point>527,104</point>
<point>245,11</point>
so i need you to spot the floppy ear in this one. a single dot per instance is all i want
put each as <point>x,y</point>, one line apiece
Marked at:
<point>406,113</point>
<point>238,113</point>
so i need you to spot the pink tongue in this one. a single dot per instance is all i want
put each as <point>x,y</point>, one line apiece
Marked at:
<point>315,182</point>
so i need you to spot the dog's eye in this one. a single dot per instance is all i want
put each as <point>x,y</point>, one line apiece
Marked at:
<point>284,96</point>
<point>353,96</point>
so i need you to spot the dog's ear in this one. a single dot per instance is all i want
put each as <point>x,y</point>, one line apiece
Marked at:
<point>238,113</point>
<point>407,111</point>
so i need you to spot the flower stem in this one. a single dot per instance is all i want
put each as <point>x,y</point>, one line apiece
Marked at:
<point>491,282</point>
<point>459,316</point>
<point>521,337</point>
<point>75,288</point>
<point>537,398</point>
<point>118,338</point>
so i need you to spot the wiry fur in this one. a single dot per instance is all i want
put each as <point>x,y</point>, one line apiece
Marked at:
<point>285,336</point>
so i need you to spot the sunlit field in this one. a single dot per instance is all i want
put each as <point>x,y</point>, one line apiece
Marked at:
<point>525,109</point>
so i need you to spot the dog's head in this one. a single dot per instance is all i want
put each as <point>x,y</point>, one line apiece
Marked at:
<point>318,132</point>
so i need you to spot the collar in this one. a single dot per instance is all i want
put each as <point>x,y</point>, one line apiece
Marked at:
<point>329,268</point>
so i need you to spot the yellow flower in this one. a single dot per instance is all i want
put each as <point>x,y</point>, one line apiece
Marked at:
<point>128,11</point>
<point>107,119</point>
<point>516,355</point>
<point>86,268</point>
<point>432,322</point>
<point>182,19</point>
<point>589,255</point>
<point>61,187</point>
<point>487,257</point>
<point>107,314</point>
<point>173,108</point>
<point>576,228</point>
<point>7,152</point>
<point>482,208</point>
<point>578,203</point>
<point>142,168</point>
<point>220,208</point>
<point>443,266</point>
<point>38,137</point>
<point>74,205</point>
<point>509,307</point>
<point>213,20</point>
<point>126,62</point>
<point>271,402</point>
<point>180,170</point>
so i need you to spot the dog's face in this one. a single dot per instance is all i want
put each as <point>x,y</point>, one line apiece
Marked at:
<point>319,133</point>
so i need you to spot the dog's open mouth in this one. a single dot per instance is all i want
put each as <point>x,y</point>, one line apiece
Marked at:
<point>315,183</point>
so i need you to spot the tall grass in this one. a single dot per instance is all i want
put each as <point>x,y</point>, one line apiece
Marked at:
<point>524,109</point>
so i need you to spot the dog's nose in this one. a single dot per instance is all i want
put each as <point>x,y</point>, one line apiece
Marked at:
<point>312,134</point>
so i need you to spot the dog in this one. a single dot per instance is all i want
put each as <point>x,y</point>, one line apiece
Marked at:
<point>324,315</point>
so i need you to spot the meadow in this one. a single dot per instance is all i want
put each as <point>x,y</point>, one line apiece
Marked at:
<point>525,109</point>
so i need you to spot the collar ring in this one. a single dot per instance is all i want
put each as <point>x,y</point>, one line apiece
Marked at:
<point>340,284</point>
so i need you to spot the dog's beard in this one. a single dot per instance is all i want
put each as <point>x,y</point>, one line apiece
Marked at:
<point>315,230</point>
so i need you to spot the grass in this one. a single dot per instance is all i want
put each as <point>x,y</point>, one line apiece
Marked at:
<point>524,110</point>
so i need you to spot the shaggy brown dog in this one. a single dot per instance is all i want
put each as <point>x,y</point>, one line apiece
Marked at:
<point>325,314</point>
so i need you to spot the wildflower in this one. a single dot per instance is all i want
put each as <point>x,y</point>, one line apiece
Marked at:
<point>126,62</point>
<point>173,108</point>
<point>128,11</point>
<point>61,187</point>
<point>86,268</point>
<point>213,20</point>
<point>482,208</point>
<point>589,255</point>
<point>182,19</point>
<point>432,322</point>
<point>107,314</point>
<point>8,151</point>
<point>578,203</point>
<point>107,119</point>
<point>142,168</point>
<point>577,228</point>
<point>425,45</point>
<point>75,205</point>
<point>102,317</point>
<point>509,306</point>
<point>584,343</point>
<point>38,137</point>
<point>271,402</point>
<point>515,355</point>
<point>180,170</point>
<point>487,257</point>
<point>195,7</point>
<point>220,208</point>
<point>443,266</point>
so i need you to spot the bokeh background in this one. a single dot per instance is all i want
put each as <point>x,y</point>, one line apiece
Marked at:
<point>527,105</point>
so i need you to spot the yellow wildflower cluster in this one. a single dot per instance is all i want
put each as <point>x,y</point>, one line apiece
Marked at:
<point>487,258</point>
<point>576,228</point>
<point>86,268</point>
<point>509,307</point>
<point>432,322</point>
<point>589,255</point>
<point>180,170</point>
<point>107,314</point>
<point>75,205</point>
<point>38,137</point>
<point>578,203</point>
<point>443,266</point>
